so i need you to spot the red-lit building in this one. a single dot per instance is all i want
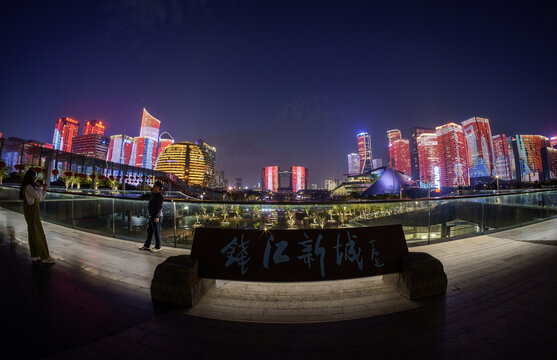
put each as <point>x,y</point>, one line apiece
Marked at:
<point>270,178</point>
<point>477,133</point>
<point>552,141</point>
<point>164,143</point>
<point>120,149</point>
<point>453,161</point>
<point>64,132</point>
<point>501,157</point>
<point>93,127</point>
<point>91,145</point>
<point>144,151</point>
<point>428,157</point>
<point>300,178</point>
<point>364,150</point>
<point>149,126</point>
<point>399,152</point>
<point>527,156</point>
<point>393,135</point>
<point>414,155</point>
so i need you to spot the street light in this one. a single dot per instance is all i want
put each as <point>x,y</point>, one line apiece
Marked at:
<point>497,177</point>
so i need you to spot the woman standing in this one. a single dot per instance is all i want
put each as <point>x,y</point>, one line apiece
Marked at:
<point>32,193</point>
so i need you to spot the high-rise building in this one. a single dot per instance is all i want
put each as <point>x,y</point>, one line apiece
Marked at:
<point>149,126</point>
<point>393,135</point>
<point>91,145</point>
<point>364,150</point>
<point>479,147</point>
<point>145,147</point>
<point>66,129</point>
<point>237,183</point>
<point>330,185</point>
<point>453,161</point>
<point>549,163</point>
<point>501,157</point>
<point>143,152</point>
<point>353,164</point>
<point>189,162</point>
<point>428,158</point>
<point>527,156</point>
<point>270,178</point>
<point>552,141</point>
<point>93,127</point>
<point>512,157</point>
<point>164,143</point>
<point>399,152</point>
<point>219,179</point>
<point>300,178</point>
<point>120,149</point>
<point>414,155</point>
<point>377,163</point>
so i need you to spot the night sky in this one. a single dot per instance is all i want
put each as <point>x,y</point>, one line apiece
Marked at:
<point>278,82</point>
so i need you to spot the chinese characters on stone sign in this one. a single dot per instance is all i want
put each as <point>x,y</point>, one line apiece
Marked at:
<point>298,255</point>
<point>309,250</point>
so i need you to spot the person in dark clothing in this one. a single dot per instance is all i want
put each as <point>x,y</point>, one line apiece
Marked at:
<point>155,218</point>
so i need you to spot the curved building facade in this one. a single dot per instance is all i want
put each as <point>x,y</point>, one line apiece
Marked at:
<point>189,161</point>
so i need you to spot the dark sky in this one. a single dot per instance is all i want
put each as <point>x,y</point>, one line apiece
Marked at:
<point>278,82</point>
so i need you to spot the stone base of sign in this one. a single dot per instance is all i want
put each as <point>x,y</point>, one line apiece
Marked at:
<point>422,275</point>
<point>176,282</point>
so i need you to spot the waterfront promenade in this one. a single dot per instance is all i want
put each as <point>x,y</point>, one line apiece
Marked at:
<point>95,303</point>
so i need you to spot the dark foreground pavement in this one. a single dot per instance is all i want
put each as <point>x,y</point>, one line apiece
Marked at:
<point>507,310</point>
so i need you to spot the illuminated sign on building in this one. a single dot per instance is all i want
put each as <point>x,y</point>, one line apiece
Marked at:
<point>437,178</point>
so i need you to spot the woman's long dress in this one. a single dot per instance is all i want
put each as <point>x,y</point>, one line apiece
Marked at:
<point>37,239</point>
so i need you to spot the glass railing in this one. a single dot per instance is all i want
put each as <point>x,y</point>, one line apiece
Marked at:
<point>424,221</point>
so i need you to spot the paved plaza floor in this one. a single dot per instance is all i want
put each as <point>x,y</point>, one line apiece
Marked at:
<point>95,303</point>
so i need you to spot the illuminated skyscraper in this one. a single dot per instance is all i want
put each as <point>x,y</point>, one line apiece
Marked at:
<point>91,145</point>
<point>149,126</point>
<point>393,135</point>
<point>189,161</point>
<point>364,150</point>
<point>501,157</point>
<point>399,151</point>
<point>164,143</point>
<point>479,146</point>
<point>66,129</point>
<point>270,178</point>
<point>414,155</point>
<point>300,178</point>
<point>93,127</point>
<point>120,149</point>
<point>527,156</point>
<point>428,157</point>
<point>143,152</point>
<point>549,163</point>
<point>552,142</point>
<point>353,164</point>
<point>452,155</point>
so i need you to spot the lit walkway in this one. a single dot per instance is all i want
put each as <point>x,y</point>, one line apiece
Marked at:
<point>95,303</point>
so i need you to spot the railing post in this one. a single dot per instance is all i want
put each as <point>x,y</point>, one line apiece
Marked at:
<point>73,212</point>
<point>174,206</point>
<point>113,220</point>
<point>428,221</point>
<point>482,220</point>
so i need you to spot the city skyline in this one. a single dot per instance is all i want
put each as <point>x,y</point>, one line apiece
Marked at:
<point>300,95</point>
